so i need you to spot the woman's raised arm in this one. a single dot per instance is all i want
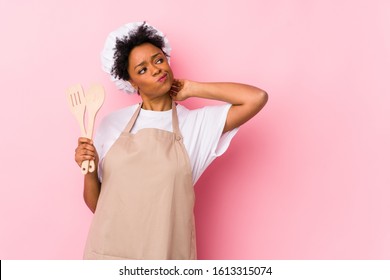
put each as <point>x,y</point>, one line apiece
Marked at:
<point>246,100</point>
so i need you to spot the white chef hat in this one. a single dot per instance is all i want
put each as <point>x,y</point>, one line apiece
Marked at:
<point>107,54</point>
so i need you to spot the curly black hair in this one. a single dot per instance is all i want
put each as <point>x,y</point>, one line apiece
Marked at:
<point>143,34</point>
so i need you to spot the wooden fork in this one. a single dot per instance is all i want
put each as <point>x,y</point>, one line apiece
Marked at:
<point>77,104</point>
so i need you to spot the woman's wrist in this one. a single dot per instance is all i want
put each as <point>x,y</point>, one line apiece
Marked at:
<point>193,89</point>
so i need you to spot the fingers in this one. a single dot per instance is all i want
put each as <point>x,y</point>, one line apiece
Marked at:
<point>84,154</point>
<point>85,150</point>
<point>84,140</point>
<point>176,87</point>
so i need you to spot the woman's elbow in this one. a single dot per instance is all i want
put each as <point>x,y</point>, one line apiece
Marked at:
<point>260,99</point>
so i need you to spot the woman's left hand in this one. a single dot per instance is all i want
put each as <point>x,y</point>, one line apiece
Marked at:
<point>180,90</point>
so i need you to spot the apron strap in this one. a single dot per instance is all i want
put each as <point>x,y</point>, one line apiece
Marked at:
<point>131,123</point>
<point>175,120</point>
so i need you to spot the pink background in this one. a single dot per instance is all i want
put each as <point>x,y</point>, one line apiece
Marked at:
<point>307,178</point>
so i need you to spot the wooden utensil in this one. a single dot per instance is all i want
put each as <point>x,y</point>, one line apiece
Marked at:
<point>94,101</point>
<point>77,105</point>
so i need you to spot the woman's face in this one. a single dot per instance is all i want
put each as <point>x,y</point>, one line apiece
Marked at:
<point>149,71</point>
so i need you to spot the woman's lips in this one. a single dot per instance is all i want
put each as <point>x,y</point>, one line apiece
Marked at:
<point>163,78</point>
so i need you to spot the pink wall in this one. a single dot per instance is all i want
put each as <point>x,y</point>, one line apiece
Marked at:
<point>308,178</point>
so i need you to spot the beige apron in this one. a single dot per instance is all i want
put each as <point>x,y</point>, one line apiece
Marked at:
<point>145,207</point>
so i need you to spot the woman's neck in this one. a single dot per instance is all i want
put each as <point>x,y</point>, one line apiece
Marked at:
<point>161,103</point>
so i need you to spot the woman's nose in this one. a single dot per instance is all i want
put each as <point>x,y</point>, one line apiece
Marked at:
<point>155,70</point>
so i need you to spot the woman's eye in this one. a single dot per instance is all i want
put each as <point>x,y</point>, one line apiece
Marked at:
<point>160,60</point>
<point>142,71</point>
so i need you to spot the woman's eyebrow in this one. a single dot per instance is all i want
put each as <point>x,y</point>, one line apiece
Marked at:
<point>152,57</point>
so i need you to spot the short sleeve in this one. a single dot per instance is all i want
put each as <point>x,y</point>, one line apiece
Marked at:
<point>208,124</point>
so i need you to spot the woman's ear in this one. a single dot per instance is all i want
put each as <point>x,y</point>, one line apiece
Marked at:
<point>133,85</point>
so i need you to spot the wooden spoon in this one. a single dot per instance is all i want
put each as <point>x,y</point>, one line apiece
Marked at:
<point>94,100</point>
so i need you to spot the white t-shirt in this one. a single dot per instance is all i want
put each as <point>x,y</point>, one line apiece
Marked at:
<point>201,130</point>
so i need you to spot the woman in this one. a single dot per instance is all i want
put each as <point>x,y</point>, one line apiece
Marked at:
<point>151,154</point>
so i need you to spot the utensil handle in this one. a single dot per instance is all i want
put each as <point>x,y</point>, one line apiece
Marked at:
<point>85,167</point>
<point>89,132</point>
<point>91,166</point>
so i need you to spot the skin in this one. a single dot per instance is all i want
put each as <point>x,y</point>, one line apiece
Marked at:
<point>147,64</point>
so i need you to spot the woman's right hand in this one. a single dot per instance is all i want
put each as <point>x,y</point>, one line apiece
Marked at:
<point>85,151</point>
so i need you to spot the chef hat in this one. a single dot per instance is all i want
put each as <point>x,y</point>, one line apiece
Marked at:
<point>107,54</point>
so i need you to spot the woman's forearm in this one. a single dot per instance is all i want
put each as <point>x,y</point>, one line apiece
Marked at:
<point>91,190</point>
<point>247,100</point>
<point>233,93</point>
